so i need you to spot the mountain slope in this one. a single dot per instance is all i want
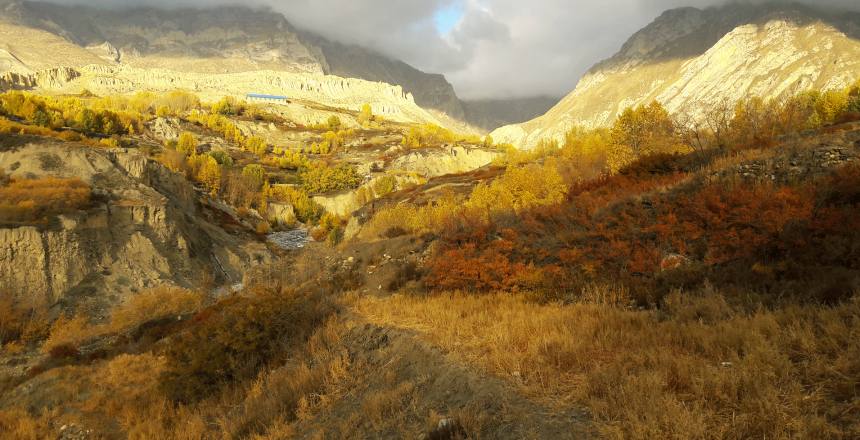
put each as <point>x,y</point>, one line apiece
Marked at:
<point>218,40</point>
<point>493,113</point>
<point>208,40</point>
<point>430,90</point>
<point>689,59</point>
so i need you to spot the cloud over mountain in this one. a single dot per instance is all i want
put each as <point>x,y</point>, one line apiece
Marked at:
<point>498,48</point>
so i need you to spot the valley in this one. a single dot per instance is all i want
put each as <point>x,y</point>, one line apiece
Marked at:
<point>216,225</point>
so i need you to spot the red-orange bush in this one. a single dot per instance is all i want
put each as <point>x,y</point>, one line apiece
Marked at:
<point>759,235</point>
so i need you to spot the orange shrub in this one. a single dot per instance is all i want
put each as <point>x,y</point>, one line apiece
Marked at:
<point>27,200</point>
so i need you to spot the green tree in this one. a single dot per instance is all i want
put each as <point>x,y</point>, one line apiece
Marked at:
<point>222,157</point>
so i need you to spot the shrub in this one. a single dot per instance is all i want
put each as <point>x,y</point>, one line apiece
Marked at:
<point>27,200</point>
<point>23,321</point>
<point>227,106</point>
<point>321,178</point>
<point>333,122</point>
<point>156,303</point>
<point>68,332</point>
<point>233,339</point>
<point>256,145</point>
<point>306,210</point>
<point>222,157</point>
<point>384,186</point>
<point>187,144</point>
<point>255,175</point>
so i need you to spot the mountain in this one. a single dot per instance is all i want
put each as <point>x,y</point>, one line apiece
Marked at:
<point>352,61</point>
<point>218,40</point>
<point>493,113</point>
<point>689,59</point>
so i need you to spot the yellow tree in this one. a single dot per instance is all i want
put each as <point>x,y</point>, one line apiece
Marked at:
<point>210,175</point>
<point>187,144</point>
<point>640,131</point>
<point>365,115</point>
<point>256,145</point>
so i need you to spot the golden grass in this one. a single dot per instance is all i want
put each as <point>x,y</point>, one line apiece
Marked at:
<point>155,303</point>
<point>699,369</point>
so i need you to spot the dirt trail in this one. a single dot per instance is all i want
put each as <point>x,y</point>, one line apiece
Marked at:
<point>423,386</point>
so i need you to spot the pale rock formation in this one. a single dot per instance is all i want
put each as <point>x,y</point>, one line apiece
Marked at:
<point>142,230</point>
<point>449,160</point>
<point>691,59</point>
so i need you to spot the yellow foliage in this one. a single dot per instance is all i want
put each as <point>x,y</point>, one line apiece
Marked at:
<point>520,188</point>
<point>428,135</point>
<point>187,144</point>
<point>210,175</point>
<point>68,331</point>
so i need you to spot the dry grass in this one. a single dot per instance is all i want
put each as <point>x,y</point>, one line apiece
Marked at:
<point>24,200</point>
<point>699,369</point>
<point>156,303</point>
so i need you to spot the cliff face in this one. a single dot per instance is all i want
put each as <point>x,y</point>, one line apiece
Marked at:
<point>209,40</point>
<point>430,90</point>
<point>35,36</point>
<point>144,229</point>
<point>689,59</point>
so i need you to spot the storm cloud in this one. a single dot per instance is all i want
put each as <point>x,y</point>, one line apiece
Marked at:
<point>493,48</point>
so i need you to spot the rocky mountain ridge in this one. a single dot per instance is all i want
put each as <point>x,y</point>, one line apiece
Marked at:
<point>689,59</point>
<point>216,40</point>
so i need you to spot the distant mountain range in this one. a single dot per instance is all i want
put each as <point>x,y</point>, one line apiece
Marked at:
<point>688,59</point>
<point>225,39</point>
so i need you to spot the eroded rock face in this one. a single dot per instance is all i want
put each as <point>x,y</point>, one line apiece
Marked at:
<point>690,60</point>
<point>210,41</point>
<point>143,230</point>
<point>438,162</point>
<point>281,213</point>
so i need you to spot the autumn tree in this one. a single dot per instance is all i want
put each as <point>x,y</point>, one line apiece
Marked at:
<point>365,116</point>
<point>210,175</point>
<point>187,144</point>
<point>642,130</point>
<point>256,145</point>
<point>321,178</point>
<point>255,175</point>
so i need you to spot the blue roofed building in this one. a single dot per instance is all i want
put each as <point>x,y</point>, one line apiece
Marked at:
<point>267,98</point>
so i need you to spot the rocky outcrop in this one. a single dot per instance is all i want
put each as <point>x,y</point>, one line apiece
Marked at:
<point>431,91</point>
<point>144,230</point>
<point>165,129</point>
<point>690,59</point>
<point>281,214</point>
<point>48,78</point>
<point>449,160</point>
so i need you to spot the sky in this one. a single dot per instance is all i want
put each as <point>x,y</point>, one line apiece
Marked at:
<point>485,48</point>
